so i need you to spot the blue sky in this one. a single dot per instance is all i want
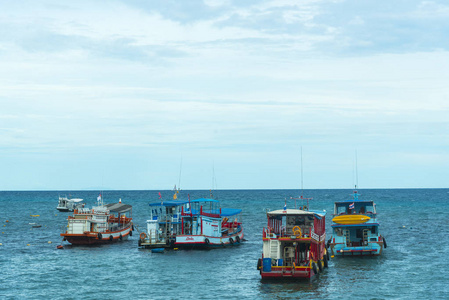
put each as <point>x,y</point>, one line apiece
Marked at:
<point>113,95</point>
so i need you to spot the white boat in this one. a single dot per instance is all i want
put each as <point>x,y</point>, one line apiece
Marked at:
<point>66,204</point>
<point>204,224</point>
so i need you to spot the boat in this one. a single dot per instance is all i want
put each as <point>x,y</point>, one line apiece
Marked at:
<point>104,223</point>
<point>355,229</point>
<point>164,224</point>
<point>204,224</point>
<point>293,244</point>
<point>65,204</point>
<point>35,225</point>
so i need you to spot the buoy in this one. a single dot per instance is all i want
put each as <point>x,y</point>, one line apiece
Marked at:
<point>28,244</point>
<point>60,247</point>
<point>49,242</point>
<point>7,221</point>
<point>332,256</point>
<point>1,244</point>
<point>175,248</point>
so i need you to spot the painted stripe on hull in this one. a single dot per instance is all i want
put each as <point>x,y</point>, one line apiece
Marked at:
<point>92,238</point>
<point>200,241</point>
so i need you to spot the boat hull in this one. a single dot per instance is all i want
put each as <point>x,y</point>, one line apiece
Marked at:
<point>91,238</point>
<point>63,209</point>
<point>287,273</point>
<point>372,249</point>
<point>203,241</point>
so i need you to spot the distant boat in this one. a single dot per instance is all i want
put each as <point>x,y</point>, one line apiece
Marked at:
<point>355,230</point>
<point>66,204</point>
<point>104,223</point>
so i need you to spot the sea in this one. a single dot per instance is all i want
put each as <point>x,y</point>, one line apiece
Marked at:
<point>414,222</point>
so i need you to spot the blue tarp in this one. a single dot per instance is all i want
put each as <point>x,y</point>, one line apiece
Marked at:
<point>225,212</point>
<point>169,203</point>
<point>204,200</point>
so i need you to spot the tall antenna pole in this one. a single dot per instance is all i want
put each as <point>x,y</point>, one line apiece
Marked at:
<point>302,182</point>
<point>179,181</point>
<point>356,171</point>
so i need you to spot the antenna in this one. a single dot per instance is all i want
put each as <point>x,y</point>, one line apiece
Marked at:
<point>356,171</point>
<point>302,180</point>
<point>179,181</point>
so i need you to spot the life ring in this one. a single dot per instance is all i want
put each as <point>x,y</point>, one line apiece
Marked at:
<point>297,231</point>
<point>100,236</point>
<point>231,241</point>
<point>111,238</point>
<point>142,235</point>
<point>237,239</point>
<point>315,269</point>
<point>385,242</point>
<point>207,241</point>
<point>120,237</point>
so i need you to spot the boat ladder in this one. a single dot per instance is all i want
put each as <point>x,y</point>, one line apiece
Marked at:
<point>365,236</point>
<point>347,236</point>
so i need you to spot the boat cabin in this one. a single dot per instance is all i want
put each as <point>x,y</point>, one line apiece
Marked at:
<point>354,207</point>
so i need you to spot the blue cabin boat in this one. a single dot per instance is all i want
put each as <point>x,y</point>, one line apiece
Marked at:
<point>355,229</point>
<point>164,224</point>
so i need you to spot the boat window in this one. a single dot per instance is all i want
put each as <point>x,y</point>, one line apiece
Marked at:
<point>339,231</point>
<point>341,209</point>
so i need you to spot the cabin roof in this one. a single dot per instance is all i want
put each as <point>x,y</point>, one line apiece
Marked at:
<point>294,212</point>
<point>169,203</point>
<point>119,207</point>
<point>76,200</point>
<point>204,200</point>
<point>354,200</point>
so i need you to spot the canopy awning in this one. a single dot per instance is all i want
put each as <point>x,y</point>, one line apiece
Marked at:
<point>169,203</point>
<point>76,200</point>
<point>118,207</point>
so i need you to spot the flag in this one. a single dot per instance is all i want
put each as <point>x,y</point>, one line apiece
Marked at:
<point>99,197</point>
<point>351,206</point>
<point>160,196</point>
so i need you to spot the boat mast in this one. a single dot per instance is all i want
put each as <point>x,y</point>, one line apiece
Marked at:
<point>179,181</point>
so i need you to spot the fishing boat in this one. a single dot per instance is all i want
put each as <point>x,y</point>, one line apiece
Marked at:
<point>164,224</point>
<point>66,204</point>
<point>104,223</point>
<point>355,229</point>
<point>293,244</point>
<point>204,224</point>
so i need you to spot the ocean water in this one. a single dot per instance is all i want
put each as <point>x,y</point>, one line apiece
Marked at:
<point>415,264</point>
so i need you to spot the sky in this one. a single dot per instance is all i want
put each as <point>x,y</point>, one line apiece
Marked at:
<point>224,94</point>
